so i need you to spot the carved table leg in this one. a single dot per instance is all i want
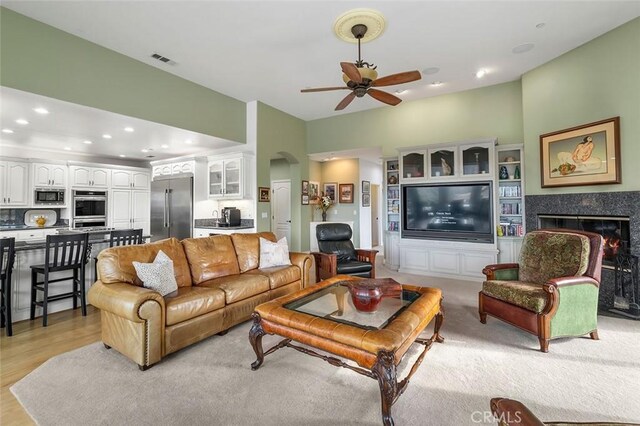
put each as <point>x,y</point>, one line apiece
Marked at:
<point>385,371</point>
<point>255,337</point>
<point>439,321</point>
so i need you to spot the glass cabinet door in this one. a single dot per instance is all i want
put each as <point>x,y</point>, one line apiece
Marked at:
<point>232,177</point>
<point>215,179</point>
<point>475,160</point>
<point>413,165</point>
<point>442,163</point>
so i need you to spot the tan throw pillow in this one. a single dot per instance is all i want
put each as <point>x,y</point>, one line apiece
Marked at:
<point>157,276</point>
<point>274,254</point>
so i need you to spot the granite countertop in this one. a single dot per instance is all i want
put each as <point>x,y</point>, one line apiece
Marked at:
<point>40,244</point>
<point>213,224</point>
<point>28,228</point>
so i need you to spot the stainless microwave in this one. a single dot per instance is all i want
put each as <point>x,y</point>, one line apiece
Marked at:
<point>49,197</point>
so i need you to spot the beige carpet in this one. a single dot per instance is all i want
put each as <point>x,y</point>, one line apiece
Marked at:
<point>211,382</point>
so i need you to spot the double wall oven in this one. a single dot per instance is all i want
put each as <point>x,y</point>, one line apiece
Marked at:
<point>89,209</point>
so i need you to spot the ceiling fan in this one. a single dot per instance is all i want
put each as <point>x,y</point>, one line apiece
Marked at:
<point>361,78</point>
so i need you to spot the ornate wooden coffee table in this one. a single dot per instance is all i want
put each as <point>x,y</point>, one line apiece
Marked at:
<point>324,317</point>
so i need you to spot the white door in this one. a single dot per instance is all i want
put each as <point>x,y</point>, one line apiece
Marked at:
<point>281,209</point>
<point>375,216</point>
<point>80,176</point>
<point>100,178</point>
<point>121,209</point>
<point>41,175</point>
<point>120,179</point>
<point>141,210</point>
<point>17,183</point>
<point>140,180</point>
<point>4,183</point>
<point>58,175</point>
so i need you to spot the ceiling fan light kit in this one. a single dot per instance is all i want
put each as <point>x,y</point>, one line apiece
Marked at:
<point>361,77</point>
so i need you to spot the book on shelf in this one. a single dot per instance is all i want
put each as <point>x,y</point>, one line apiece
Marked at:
<point>511,229</point>
<point>510,208</point>
<point>393,226</point>
<point>510,191</point>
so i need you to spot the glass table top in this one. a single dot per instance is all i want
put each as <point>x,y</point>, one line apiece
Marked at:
<point>369,304</point>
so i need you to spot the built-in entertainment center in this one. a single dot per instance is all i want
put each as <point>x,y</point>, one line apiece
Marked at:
<point>447,207</point>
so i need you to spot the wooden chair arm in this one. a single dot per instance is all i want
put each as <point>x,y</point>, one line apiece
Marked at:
<point>368,256</point>
<point>510,412</point>
<point>326,265</point>
<point>490,270</point>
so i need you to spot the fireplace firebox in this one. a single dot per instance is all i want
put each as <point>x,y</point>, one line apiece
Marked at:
<point>614,230</point>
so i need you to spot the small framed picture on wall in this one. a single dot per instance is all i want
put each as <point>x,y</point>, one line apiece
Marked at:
<point>263,194</point>
<point>314,192</point>
<point>346,193</point>
<point>329,189</point>
<point>305,187</point>
<point>366,200</point>
<point>366,187</point>
<point>305,199</point>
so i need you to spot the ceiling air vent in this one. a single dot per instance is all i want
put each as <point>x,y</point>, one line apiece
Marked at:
<point>163,59</point>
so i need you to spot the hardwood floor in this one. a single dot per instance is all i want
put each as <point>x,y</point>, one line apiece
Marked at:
<point>31,345</point>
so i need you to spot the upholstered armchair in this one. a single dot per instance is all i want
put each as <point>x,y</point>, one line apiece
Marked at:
<point>338,256</point>
<point>553,289</point>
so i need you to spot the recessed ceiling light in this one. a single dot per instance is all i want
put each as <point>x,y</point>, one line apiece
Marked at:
<point>7,131</point>
<point>436,83</point>
<point>67,148</point>
<point>22,121</point>
<point>87,142</point>
<point>164,146</point>
<point>430,70</point>
<point>481,73</point>
<point>144,150</point>
<point>122,155</point>
<point>523,48</point>
<point>128,129</point>
<point>540,25</point>
<point>41,110</point>
<point>400,92</point>
<point>188,141</point>
<point>106,136</point>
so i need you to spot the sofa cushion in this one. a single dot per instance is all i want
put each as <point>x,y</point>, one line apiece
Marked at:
<point>546,255</point>
<point>157,276</point>
<point>353,267</point>
<point>239,287</point>
<point>247,247</point>
<point>210,257</point>
<point>335,238</point>
<point>279,275</point>
<point>529,296</point>
<point>191,302</point>
<point>115,264</point>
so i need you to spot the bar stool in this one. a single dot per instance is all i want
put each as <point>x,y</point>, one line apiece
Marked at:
<point>7,258</point>
<point>122,237</point>
<point>70,253</point>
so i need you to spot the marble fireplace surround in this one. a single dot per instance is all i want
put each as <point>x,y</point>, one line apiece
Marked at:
<point>591,204</point>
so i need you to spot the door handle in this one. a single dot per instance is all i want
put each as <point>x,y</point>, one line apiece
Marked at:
<point>168,207</point>
<point>166,202</point>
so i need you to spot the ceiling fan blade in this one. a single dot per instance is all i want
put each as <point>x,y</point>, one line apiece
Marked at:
<point>385,97</point>
<point>393,79</point>
<point>346,101</point>
<point>324,89</point>
<point>351,71</point>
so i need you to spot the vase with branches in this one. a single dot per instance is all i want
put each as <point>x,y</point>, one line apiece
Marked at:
<point>325,205</point>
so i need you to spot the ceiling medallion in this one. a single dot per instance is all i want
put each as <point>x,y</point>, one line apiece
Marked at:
<point>372,20</point>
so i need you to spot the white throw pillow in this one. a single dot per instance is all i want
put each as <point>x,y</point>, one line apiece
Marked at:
<point>274,254</point>
<point>158,275</point>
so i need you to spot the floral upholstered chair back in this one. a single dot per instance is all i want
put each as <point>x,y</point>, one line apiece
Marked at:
<point>550,254</point>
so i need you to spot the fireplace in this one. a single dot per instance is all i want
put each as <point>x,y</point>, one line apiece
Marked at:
<point>614,229</point>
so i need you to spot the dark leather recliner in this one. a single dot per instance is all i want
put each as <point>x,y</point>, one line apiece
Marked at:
<point>338,256</point>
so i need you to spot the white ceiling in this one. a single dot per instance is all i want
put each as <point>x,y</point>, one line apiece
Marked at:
<point>269,50</point>
<point>68,125</point>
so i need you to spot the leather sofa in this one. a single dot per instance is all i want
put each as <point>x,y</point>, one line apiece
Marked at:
<point>219,285</point>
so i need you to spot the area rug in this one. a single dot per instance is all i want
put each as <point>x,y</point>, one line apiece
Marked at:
<point>211,382</point>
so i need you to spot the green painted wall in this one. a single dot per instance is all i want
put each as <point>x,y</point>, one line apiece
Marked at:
<point>473,114</point>
<point>41,59</point>
<point>280,169</point>
<point>598,80</point>
<point>282,135</point>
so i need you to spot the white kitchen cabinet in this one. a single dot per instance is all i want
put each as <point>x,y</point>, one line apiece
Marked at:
<point>173,168</point>
<point>228,177</point>
<point>140,180</point>
<point>121,179</point>
<point>49,175</point>
<point>391,250</point>
<point>94,177</point>
<point>130,209</point>
<point>14,185</point>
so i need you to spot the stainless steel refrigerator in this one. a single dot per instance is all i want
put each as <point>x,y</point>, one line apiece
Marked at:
<point>171,207</point>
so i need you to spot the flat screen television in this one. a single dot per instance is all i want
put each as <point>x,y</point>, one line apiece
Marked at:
<point>455,211</point>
